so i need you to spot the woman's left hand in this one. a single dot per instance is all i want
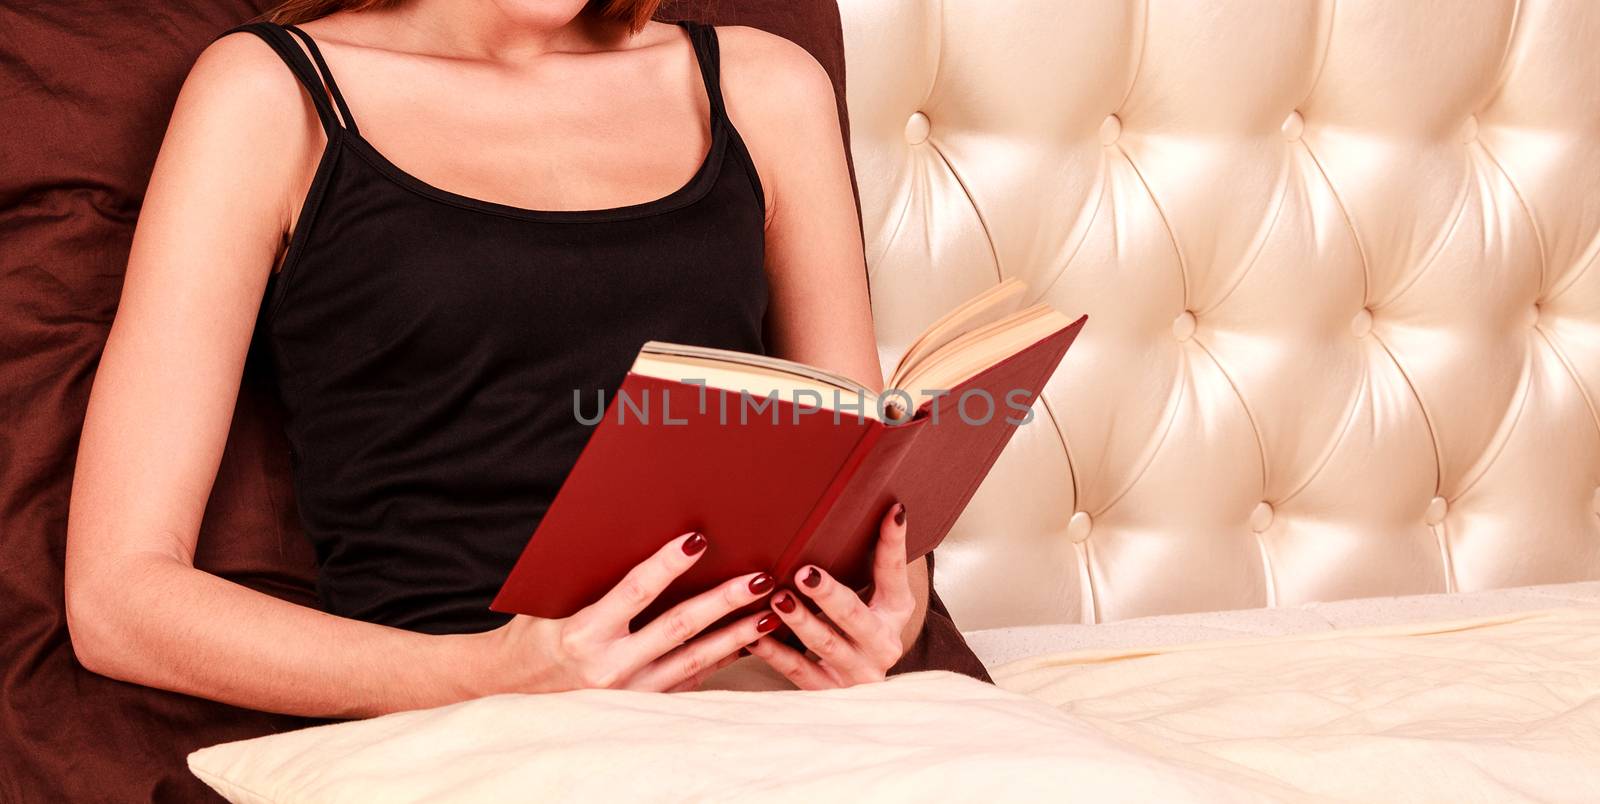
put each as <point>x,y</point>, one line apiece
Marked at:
<point>856,642</point>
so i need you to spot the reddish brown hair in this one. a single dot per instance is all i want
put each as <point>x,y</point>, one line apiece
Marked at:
<point>633,13</point>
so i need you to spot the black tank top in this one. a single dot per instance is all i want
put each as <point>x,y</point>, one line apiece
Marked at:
<point>428,347</point>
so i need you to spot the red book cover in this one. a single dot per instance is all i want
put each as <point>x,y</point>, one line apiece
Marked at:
<point>773,485</point>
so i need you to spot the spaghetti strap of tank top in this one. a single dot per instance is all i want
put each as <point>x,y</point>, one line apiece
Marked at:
<point>319,82</point>
<point>312,73</point>
<point>706,51</point>
<point>327,78</point>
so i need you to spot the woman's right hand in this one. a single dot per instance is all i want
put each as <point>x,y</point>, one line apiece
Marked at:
<point>595,649</point>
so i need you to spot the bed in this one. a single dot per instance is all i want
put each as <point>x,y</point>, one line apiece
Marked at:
<point>1310,512</point>
<point>1401,699</point>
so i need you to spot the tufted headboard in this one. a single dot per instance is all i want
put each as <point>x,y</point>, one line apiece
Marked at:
<point>1339,260</point>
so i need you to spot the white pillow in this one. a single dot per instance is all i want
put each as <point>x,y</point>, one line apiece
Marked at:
<point>928,736</point>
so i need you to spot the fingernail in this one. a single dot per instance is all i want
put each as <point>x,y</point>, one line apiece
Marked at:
<point>783,601</point>
<point>899,514</point>
<point>767,623</point>
<point>761,584</point>
<point>695,543</point>
<point>812,577</point>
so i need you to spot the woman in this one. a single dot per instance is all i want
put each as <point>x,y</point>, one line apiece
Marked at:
<point>611,180</point>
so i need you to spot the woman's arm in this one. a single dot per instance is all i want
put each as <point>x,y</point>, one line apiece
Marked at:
<point>238,156</point>
<point>783,104</point>
<point>209,233</point>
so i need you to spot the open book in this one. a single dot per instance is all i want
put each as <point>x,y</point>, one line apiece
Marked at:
<point>782,464</point>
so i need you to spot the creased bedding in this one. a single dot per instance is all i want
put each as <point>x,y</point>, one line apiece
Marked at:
<point>1490,709</point>
<point>925,736</point>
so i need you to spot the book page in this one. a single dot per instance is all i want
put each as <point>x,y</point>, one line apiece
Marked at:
<point>972,353</point>
<point>979,311</point>
<point>964,342</point>
<point>757,375</point>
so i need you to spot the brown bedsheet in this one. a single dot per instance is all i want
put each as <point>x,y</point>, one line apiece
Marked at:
<point>86,89</point>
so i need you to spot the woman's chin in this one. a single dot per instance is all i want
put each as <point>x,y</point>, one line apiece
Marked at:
<point>540,13</point>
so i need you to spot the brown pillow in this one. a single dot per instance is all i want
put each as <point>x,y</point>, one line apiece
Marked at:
<point>87,88</point>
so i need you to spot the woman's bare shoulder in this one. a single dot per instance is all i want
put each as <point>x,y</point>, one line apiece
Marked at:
<point>244,68</point>
<point>242,118</point>
<point>770,75</point>
<point>782,102</point>
<point>240,92</point>
<point>239,148</point>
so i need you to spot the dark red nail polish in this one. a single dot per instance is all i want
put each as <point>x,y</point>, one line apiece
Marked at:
<point>812,578</point>
<point>767,623</point>
<point>899,514</point>
<point>694,544</point>
<point>761,584</point>
<point>783,601</point>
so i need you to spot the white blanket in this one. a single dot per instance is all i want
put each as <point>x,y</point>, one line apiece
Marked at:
<point>1491,709</point>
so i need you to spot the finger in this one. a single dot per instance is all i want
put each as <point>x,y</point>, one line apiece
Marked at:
<point>791,664</point>
<point>841,605</point>
<point>824,640</point>
<point>697,656</point>
<point>889,573</point>
<point>701,656</point>
<point>614,610</point>
<point>682,622</point>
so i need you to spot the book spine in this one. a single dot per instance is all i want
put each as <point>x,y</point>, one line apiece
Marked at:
<point>871,503</point>
<point>798,543</point>
<point>844,525</point>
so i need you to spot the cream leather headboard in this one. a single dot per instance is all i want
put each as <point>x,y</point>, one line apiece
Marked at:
<point>1339,261</point>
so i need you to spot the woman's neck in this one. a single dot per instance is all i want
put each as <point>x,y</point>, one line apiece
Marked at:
<point>505,31</point>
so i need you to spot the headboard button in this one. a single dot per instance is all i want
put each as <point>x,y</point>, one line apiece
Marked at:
<point>1437,508</point>
<point>1183,326</point>
<point>1261,517</point>
<point>1079,526</point>
<point>1362,323</point>
<point>1110,129</point>
<point>1293,126</point>
<point>917,128</point>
